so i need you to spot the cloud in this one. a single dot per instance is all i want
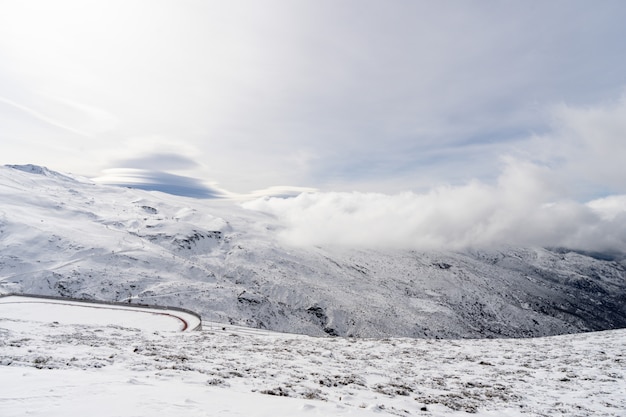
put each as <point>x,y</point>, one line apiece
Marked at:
<point>587,146</point>
<point>564,188</point>
<point>523,208</point>
<point>165,161</point>
<point>609,208</point>
<point>278,191</point>
<point>153,180</point>
<point>41,117</point>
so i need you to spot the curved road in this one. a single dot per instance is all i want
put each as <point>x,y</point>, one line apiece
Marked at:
<point>88,313</point>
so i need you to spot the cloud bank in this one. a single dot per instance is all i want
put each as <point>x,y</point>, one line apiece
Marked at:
<point>564,188</point>
<point>516,211</point>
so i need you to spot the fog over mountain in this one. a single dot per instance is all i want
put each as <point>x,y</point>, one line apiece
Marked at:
<point>520,209</point>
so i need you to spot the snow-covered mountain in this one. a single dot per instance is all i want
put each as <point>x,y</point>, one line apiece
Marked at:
<point>64,235</point>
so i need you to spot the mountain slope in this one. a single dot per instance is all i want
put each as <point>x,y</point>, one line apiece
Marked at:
<point>56,369</point>
<point>62,235</point>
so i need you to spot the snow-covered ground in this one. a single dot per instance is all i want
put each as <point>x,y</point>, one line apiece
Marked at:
<point>50,369</point>
<point>61,311</point>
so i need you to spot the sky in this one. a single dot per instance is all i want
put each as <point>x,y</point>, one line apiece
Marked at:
<point>365,96</point>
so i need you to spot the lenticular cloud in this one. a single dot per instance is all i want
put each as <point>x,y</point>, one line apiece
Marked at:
<point>523,208</point>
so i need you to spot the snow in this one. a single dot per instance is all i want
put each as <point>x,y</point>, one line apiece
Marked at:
<point>66,236</point>
<point>102,393</point>
<point>75,312</point>
<point>50,369</point>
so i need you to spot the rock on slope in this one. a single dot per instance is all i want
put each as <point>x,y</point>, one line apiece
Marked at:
<point>62,235</point>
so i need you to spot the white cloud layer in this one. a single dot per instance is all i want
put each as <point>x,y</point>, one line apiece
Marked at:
<point>587,146</point>
<point>564,188</point>
<point>523,208</point>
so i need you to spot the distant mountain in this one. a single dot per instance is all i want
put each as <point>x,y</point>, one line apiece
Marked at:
<point>63,235</point>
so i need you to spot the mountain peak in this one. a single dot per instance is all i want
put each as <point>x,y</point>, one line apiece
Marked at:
<point>30,168</point>
<point>39,170</point>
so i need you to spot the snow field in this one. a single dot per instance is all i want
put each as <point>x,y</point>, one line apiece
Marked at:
<point>55,369</point>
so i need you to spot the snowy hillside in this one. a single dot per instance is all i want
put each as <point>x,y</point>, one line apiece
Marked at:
<point>49,369</point>
<point>61,235</point>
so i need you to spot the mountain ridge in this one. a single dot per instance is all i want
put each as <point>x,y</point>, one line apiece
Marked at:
<point>69,237</point>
